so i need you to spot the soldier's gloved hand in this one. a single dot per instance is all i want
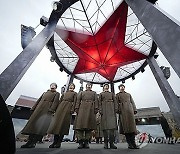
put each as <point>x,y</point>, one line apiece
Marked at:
<point>96,111</point>
<point>51,111</point>
<point>135,112</point>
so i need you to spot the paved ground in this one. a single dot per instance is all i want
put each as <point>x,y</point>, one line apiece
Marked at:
<point>71,148</point>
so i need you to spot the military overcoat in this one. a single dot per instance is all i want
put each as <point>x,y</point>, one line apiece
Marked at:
<point>108,107</point>
<point>126,109</point>
<point>40,119</point>
<point>87,107</point>
<point>60,123</point>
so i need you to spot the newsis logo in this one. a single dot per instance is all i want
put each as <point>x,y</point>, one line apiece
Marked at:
<point>143,139</point>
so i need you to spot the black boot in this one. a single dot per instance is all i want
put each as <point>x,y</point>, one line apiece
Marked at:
<point>111,142</point>
<point>58,144</point>
<point>105,143</point>
<point>100,140</point>
<point>128,140</point>
<point>132,137</point>
<point>112,146</point>
<point>56,138</point>
<point>86,144</point>
<point>80,144</point>
<point>31,143</point>
<point>97,140</point>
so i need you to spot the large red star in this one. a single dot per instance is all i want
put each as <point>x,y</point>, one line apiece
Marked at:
<point>105,51</point>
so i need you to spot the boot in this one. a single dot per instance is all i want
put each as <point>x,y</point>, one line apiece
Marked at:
<point>58,144</point>
<point>56,138</point>
<point>128,140</point>
<point>105,143</point>
<point>31,143</point>
<point>112,138</point>
<point>86,144</point>
<point>80,144</point>
<point>112,146</point>
<point>100,140</point>
<point>97,140</point>
<point>133,141</point>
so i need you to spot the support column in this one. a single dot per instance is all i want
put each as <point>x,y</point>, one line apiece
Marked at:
<point>11,76</point>
<point>81,87</point>
<point>70,80</point>
<point>164,30</point>
<point>169,95</point>
<point>112,87</point>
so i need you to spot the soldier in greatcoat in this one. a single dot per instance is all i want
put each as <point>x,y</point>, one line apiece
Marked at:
<point>42,112</point>
<point>127,109</point>
<point>108,108</point>
<point>61,121</point>
<point>86,109</point>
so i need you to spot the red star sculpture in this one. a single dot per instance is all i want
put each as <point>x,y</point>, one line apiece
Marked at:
<point>105,51</point>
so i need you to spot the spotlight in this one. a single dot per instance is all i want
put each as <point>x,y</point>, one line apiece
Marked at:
<point>166,71</point>
<point>142,70</point>
<point>133,77</point>
<point>156,55</point>
<point>57,6</point>
<point>52,59</point>
<point>61,69</point>
<point>143,120</point>
<point>43,21</point>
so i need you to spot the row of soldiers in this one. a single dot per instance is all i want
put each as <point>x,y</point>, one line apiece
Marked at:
<point>52,116</point>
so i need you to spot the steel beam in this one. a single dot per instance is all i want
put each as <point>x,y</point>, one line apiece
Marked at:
<point>164,30</point>
<point>112,87</point>
<point>11,76</point>
<point>169,95</point>
<point>69,81</point>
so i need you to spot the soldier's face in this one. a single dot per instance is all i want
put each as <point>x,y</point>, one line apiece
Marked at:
<point>88,86</point>
<point>53,86</point>
<point>122,88</point>
<point>71,87</point>
<point>106,87</point>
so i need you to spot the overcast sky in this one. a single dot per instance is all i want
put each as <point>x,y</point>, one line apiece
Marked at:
<point>42,72</point>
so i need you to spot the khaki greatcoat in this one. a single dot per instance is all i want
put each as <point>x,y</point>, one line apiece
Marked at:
<point>108,107</point>
<point>126,109</point>
<point>86,106</point>
<point>61,121</point>
<point>39,121</point>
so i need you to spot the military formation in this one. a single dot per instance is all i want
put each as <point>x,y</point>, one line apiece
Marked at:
<point>94,112</point>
